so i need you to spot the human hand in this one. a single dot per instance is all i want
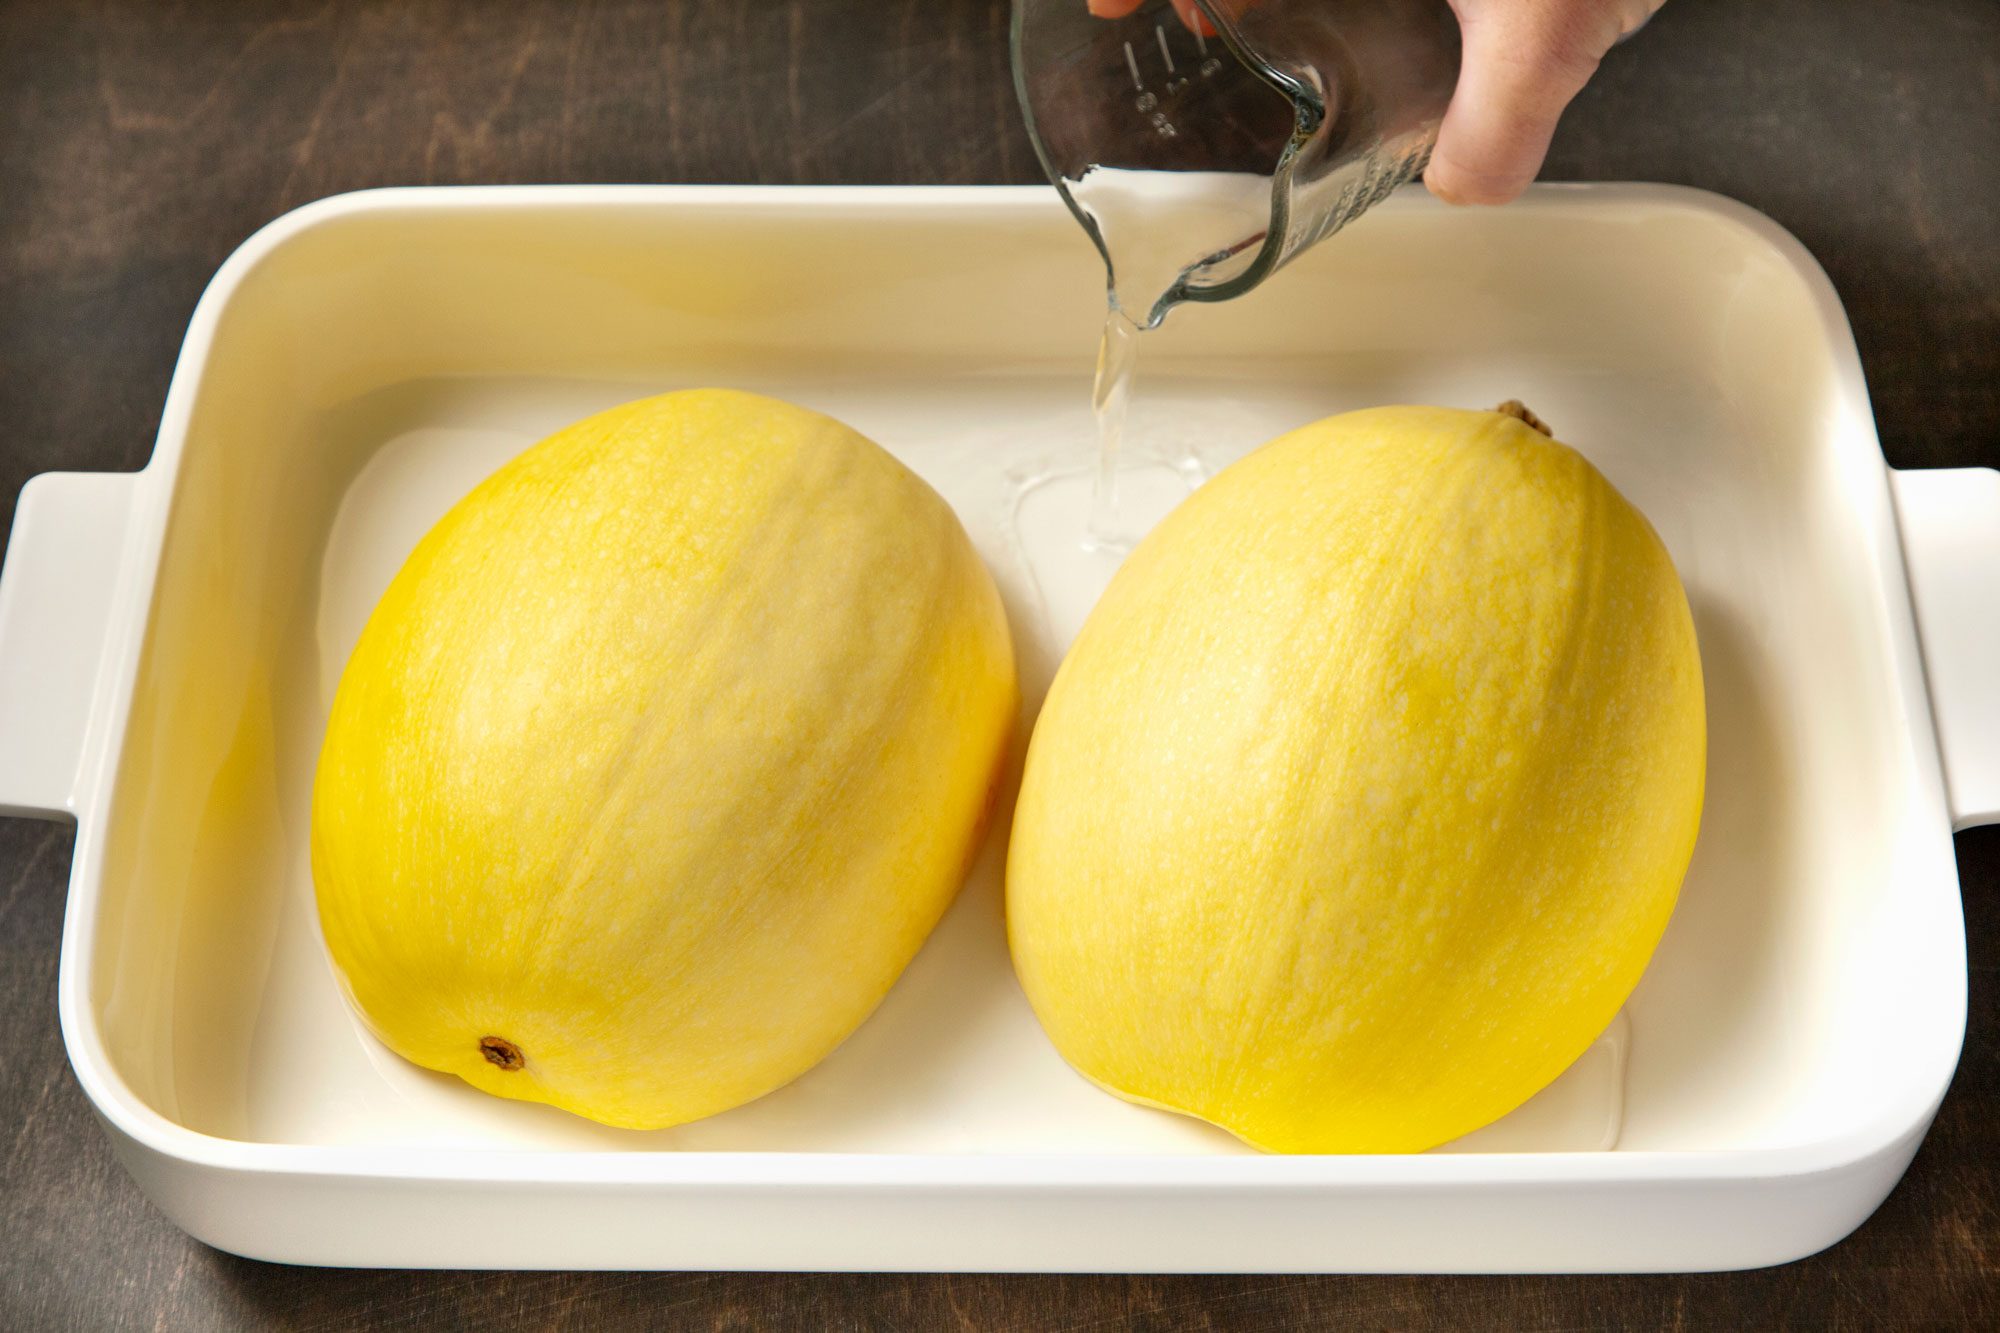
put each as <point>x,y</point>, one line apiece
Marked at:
<point>1523,61</point>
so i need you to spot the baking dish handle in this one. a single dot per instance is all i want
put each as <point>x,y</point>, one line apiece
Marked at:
<point>1950,520</point>
<point>59,598</point>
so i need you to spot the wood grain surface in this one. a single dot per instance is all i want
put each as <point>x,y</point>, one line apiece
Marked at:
<point>142,140</point>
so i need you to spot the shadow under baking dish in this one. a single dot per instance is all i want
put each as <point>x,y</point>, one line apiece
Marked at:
<point>326,443</point>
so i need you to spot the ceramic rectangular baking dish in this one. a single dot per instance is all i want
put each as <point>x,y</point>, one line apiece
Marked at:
<point>169,641</point>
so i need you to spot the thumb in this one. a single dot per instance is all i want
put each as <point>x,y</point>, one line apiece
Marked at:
<point>1522,64</point>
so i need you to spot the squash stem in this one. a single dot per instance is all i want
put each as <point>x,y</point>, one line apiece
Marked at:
<point>1518,410</point>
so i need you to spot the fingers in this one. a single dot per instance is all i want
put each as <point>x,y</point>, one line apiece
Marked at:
<point>1195,20</point>
<point>1118,9</point>
<point>1523,62</point>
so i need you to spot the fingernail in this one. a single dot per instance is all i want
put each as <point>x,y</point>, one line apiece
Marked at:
<point>1439,190</point>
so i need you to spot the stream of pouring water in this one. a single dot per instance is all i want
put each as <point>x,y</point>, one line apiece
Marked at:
<point>1110,402</point>
<point>1155,228</point>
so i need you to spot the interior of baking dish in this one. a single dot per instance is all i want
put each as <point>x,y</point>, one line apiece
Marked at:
<point>374,364</point>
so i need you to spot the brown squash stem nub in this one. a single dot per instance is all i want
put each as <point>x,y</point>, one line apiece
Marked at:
<point>1518,410</point>
<point>500,1051</point>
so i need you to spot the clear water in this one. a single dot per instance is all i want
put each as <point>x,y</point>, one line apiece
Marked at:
<point>1155,227</point>
<point>1110,406</point>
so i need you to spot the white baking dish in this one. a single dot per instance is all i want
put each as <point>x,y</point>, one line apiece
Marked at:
<point>169,640</point>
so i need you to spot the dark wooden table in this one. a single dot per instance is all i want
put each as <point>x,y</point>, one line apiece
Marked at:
<point>141,140</point>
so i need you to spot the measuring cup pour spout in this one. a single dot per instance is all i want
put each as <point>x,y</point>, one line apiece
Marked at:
<point>1199,161</point>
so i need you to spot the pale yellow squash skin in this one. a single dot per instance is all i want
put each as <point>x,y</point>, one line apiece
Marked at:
<point>660,758</point>
<point>1365,794</point>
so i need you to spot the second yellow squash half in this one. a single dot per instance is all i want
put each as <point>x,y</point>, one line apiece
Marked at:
<point>1365,794</point>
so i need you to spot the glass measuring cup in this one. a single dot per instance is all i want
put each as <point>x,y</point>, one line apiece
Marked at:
<point>1200,164</point>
